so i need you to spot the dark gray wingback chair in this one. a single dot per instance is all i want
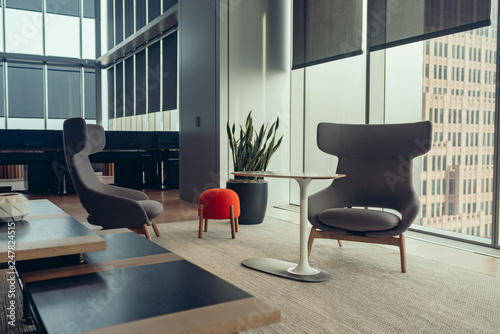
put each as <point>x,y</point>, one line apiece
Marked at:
<point>377,161</point>
<point>108,206</point>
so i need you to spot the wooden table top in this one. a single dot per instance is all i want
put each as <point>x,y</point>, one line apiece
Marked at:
<point>46,232</point>
<point>136,286</point>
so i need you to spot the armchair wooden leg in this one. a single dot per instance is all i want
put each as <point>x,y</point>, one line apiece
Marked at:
<point>200,228</point>
<point>402,251</point>
<point>340,242</point>
<point>206,225</point>
<point>146,231</point>
<point>155,228</point>
<point>310,241</point>
<point>231,217</point>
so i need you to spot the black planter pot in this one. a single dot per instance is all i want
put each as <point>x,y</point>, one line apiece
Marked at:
<point>253,201</point>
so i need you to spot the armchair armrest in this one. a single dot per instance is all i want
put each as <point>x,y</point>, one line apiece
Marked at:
<point>321,201</point>
<point>125,192</point>
<point>112,211</point>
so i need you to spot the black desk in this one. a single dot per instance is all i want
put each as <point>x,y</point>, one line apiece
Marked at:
<point>137,286</point>
<point>134,153</point>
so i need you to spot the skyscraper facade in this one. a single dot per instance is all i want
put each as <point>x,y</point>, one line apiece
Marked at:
<point>459,75</point>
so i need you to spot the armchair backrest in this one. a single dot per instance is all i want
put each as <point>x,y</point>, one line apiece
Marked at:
<point>377,160</point>
<point>81,140</point>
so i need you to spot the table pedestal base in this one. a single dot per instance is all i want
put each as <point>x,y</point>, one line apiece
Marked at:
<point>281,268</point>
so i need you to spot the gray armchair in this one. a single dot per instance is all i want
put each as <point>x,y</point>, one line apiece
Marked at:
<point>377,161</point>
<point>108,206</point>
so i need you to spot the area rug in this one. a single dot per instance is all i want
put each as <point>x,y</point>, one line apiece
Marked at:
<point>366,294</point>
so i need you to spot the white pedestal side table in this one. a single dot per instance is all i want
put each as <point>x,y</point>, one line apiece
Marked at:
<point>303,270</point>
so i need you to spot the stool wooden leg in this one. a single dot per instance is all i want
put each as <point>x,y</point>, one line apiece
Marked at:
<point>146,232</point>
<point>231,215</point>
<point>200,230</point>
<point>237,224</point>
<point>155,228</point>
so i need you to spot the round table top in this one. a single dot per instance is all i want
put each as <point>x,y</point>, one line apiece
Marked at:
<point>290,175</point>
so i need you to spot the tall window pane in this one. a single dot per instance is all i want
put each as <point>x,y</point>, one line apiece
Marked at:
<point>89,9</point>
<point>469,218</point>
<point>111,93</point>
<point>168,3</point>
<point>23,31</point>
<point>2,111</point>
<point>59,41</point>
<point>140,14</point>
<point>88,39</point>
<point>111,24</point>
<point>66,7</point>
<point>154,9</point>
<point>63,91</point>
<point>33,5</point>
<point>154,76</point>
<point>119,89</point>
<point>118,22</point>
<point>129,87</point>
<point>89,99</point>
<point>141,90</point>
<point>129,17</point>
<point>25,81</point>
<point>170,72</point>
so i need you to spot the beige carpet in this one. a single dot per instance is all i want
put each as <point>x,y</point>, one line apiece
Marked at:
<point>367,292</point>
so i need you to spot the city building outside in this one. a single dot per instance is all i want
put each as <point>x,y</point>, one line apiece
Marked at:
<point>459,76</point>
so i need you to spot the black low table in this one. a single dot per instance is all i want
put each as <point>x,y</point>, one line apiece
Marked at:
<point>137,286</point>
<point>46,232</point>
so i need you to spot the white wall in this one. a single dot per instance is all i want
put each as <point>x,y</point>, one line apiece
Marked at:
<point>258,78</point>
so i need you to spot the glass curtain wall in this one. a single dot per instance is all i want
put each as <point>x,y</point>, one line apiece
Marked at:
<point>141,91</point>
<point>48,51</point>
<point>458,85</point>
<point>449,80</point>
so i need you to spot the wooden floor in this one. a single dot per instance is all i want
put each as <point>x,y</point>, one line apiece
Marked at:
<point>175,210</point>
<point>462,255</point>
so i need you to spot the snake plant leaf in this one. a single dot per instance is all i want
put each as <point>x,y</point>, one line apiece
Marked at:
<point>251,149</point>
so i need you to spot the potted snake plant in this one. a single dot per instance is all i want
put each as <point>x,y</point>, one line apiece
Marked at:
<point>251,151</point>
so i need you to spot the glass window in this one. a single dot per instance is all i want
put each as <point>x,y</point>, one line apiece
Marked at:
<point>2,111</point>
<point>154,9</point>
<point>154,77</point>
<point>140,14</point>
<point>170,72</point>
<point>129,17</point>
<point>1,33</point>
<point>25,81</point>
<point>111,93</point>
<point>63,91</point>
<point>66,7</point>
<point>89,9</point>
<point>119,89</point>
<point>23,31</point>
<point>129,87</point>
<point>62,42</point>
<point>89,97</point>
<point>110,24</point>
<point>33,5</point>
<point>88,39</point>
<point>118,22</point>
<point>167,4</point>
<point>140,84</point>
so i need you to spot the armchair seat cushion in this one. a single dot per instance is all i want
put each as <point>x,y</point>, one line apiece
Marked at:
<point>359,220</point>
<point>153,208</point>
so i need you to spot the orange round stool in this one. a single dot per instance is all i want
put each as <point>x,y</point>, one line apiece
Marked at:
<point>219,203</point>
